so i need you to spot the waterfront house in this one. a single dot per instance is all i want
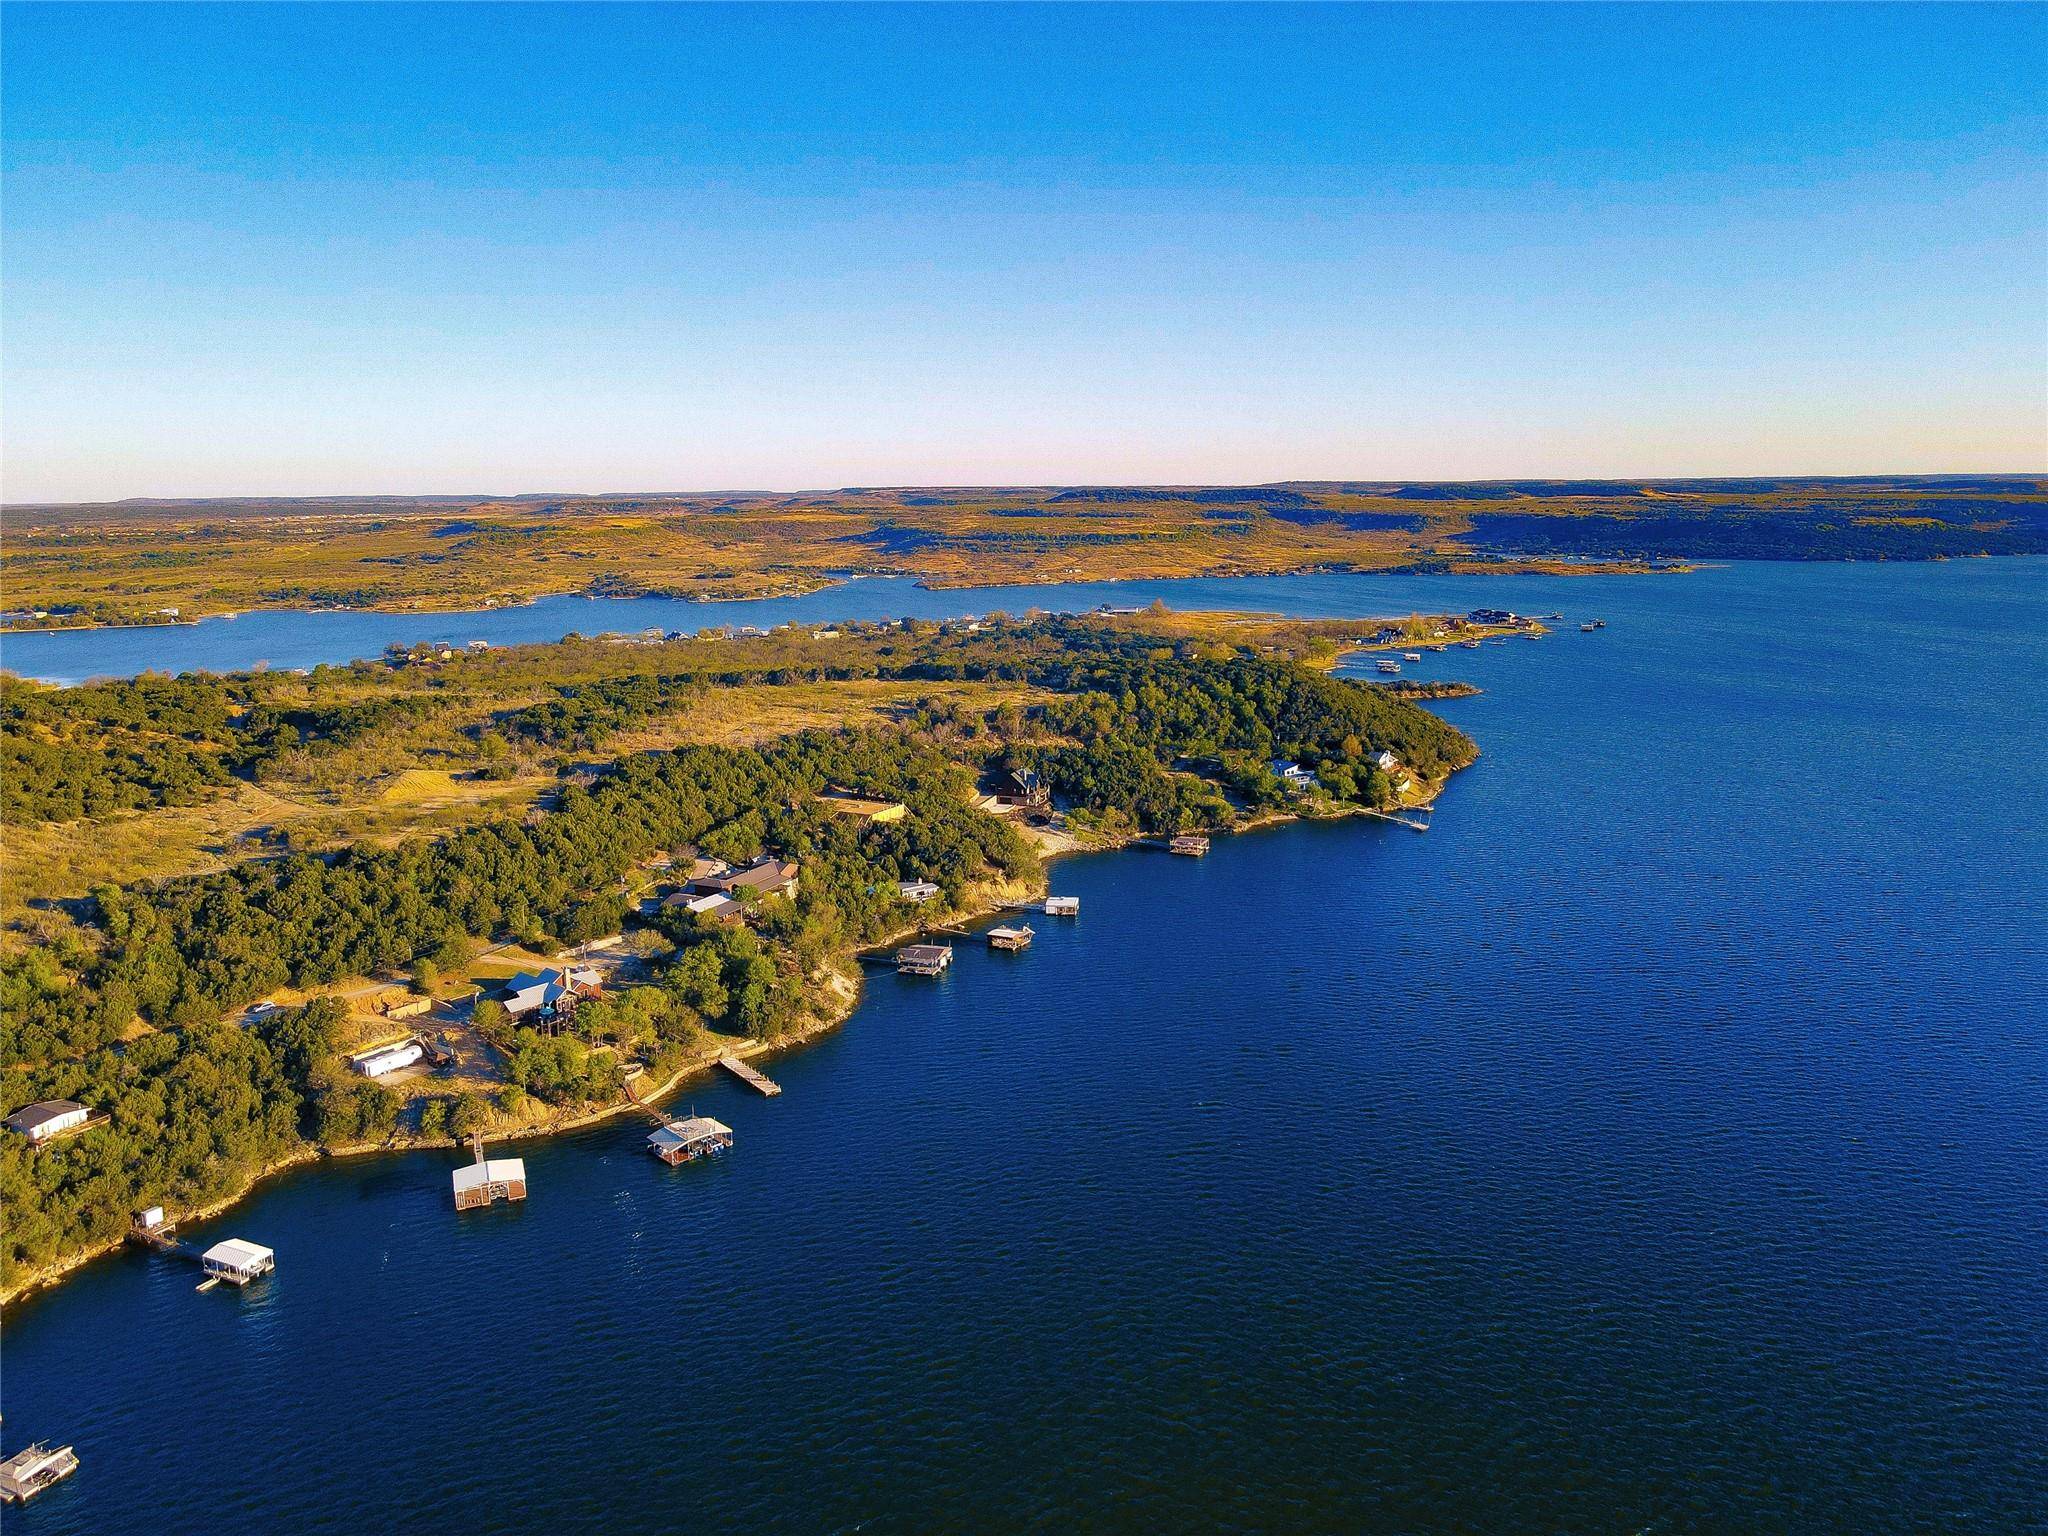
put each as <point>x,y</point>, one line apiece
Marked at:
<point>685,1141</point>
<point>1028,788</point>
<point>549,990</point>
<point>50,1118</point>
<point>1293,775</point>
<point>386,1059</point>
<point>766,876</point>
<point>1385,761</point>
<point>237,1262</point>
<point>488,1180</point>
<point>916,892</point>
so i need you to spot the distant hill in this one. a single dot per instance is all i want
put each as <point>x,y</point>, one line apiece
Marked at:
<point>128,561</point>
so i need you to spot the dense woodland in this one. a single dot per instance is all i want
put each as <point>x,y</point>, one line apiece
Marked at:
<point>1129,733</point>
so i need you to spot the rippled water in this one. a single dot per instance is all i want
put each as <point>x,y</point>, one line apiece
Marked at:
<point>1659,1145</point>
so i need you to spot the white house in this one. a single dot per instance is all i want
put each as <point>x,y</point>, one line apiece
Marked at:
<point>1293,775</point>
<point>52,1117</point>
<point>1385,761</point>
<point>917,892</point>
<point>389,1058</point>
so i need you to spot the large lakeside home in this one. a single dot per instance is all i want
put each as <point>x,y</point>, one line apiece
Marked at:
<point>52,1117</point>
<point>765,877</point>
<point>546,992</point>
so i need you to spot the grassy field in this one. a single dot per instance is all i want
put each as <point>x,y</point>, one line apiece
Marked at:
<point>128,562</point>
<point>408,783</point>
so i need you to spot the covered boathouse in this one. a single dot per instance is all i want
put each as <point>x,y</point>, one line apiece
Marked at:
<point>923,959</point>
<point>237,1262</point>
<point>685,1141</point>
<point>489,1180</point>
<point>28,1472</point>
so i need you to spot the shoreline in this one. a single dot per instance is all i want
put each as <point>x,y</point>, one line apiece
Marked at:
<point>844,986</point>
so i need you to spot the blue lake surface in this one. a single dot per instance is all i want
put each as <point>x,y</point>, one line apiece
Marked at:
<point>1658,1145</point>
<point>305,639</point>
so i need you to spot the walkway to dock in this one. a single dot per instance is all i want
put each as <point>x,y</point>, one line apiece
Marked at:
<point>749,1076</point>
<point>1399,821</point>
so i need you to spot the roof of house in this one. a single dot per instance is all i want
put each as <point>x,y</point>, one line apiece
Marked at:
<point>494,1170</point>
<point>36,1115</point>
<point>923,951</point>
<point>237,1253</point>
<point>768,872</point>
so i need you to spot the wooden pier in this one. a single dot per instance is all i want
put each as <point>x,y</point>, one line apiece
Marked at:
<point>750,1077</point>
<point>1051,906</point>
<point>1399,821</point>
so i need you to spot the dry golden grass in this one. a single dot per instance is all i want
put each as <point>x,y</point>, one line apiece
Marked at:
<point>128,562</point>
<point>732,717</point>
<point>44,864</point>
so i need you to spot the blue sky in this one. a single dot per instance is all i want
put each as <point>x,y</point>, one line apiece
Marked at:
<point>387,249</point>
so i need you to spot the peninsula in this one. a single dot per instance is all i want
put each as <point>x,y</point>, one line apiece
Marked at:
<point>229,895</point>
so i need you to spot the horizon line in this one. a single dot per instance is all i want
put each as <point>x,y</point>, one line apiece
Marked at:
<point>1032,485</point>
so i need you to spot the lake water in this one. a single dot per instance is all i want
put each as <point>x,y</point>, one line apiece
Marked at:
<point>295,639</point>
<point>1658,1145</point>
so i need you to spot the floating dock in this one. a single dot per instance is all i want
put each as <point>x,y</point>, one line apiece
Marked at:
<point>1189,844</point>
<point>1010,938</point>
<point>749,1076</point>
<point>27,1473</point>
<point>1051,906</point>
